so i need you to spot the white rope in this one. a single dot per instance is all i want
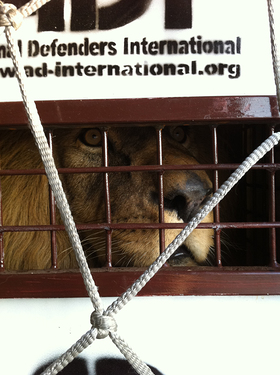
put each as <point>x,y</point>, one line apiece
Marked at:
<point>130,356</point>
<point>48,161</point>
<point>31,7</point>
<point>253,158</point>
<point>102,326</point>
<point>137,364</point>
<point>11,16</point>
<point>274,50</point>
<point>58,365</point>
<point>103,323</point>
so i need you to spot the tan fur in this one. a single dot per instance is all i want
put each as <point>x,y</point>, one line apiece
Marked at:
<point>25,198</point>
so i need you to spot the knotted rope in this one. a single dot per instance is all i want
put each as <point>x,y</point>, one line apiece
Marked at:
<point>46,154</point>
<point>10,16</point>
<point>103,322</point>
<point>102,326</point>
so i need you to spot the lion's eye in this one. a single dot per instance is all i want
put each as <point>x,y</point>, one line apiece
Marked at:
<point>92,137</point>
<point>179,134</point>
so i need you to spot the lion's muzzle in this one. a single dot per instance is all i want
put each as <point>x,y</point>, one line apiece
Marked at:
<point>187,201</point>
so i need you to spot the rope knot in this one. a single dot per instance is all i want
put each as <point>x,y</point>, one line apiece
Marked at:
<point>10,16</point>
<point>104,324</point>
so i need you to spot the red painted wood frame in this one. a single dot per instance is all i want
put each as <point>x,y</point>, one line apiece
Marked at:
<point>169,281</point>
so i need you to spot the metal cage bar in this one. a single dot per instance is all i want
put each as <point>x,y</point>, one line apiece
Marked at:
<point>272,208</point>
<point>270,165</point>
<point>160,189</point>
<point>140,168</point>
<point>52,213</point>
<point>218,251</point>
<point>107,197</point>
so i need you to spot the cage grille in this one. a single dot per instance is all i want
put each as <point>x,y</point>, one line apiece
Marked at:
<point>258,225</point>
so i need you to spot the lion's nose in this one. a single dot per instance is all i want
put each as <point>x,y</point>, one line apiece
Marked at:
<point>187,199</point>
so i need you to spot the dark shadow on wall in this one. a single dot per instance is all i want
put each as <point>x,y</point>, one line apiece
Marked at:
<point>103,366</point>
<point>114,366</point>
<point>77,367</point>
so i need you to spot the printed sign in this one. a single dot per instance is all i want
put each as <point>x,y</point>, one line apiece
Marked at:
<point>86,49</point>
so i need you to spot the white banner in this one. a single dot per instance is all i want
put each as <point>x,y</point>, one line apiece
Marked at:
<point>105,49</point>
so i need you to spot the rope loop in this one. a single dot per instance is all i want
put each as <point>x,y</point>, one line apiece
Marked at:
<point>103,323</point>
<point>10,16</point>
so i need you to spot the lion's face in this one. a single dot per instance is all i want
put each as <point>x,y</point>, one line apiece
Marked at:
<point>134,195</point>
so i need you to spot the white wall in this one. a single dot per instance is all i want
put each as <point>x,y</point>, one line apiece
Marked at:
<point>176,335</point>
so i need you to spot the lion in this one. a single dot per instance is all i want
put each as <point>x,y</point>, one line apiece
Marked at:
<point>133,195</point>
